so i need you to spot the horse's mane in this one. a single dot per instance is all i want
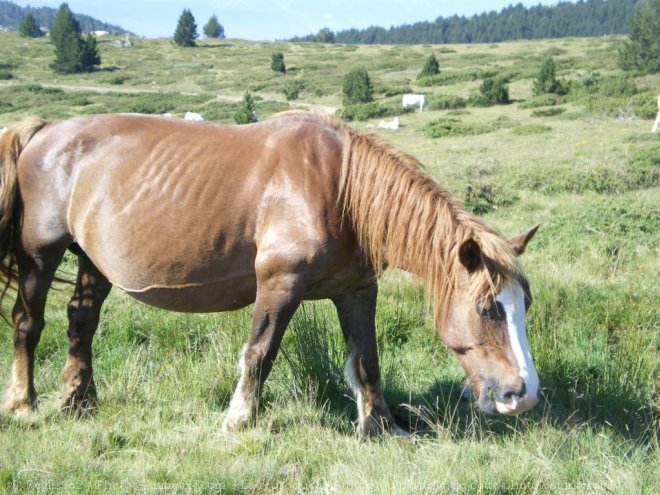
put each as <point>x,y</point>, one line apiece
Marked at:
<point>403,218</point>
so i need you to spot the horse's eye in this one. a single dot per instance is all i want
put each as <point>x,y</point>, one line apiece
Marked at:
<point>493,312</point>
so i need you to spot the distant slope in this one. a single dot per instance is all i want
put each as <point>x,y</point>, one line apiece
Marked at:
<point>11,16</point>
<point>584,18</point>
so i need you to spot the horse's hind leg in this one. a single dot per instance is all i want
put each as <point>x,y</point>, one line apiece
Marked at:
<point>77,383</point>
<point>278,298</point>
<point>35,278</point>
<point>357,313</point>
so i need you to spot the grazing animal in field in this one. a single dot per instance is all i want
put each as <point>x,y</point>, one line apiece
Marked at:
<point>392,125</point>
<point>415,101</point>
<point>199,217</point>
<point>193,116</point>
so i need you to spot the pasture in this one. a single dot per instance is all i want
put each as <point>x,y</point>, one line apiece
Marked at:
<point>584,166</point>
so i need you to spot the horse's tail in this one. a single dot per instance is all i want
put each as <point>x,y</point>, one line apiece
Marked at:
<point>12,143</point>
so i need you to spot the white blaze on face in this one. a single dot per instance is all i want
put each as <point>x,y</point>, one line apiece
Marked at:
<point>512,299</point>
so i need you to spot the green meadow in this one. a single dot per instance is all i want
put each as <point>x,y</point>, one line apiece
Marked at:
<point>584,165</point>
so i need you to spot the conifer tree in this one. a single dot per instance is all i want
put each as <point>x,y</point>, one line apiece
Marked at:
<point>213,29</point>
<point>246,112</point>
<point>277,63</point>
<point>431,67</point>
<point>546,80</point>
<point>186,30</point>
<point>357,87</point>
<point>29,27</point>
<point>642,50</point>
<point>73,53</point>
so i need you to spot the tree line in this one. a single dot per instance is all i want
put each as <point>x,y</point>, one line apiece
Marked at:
<point>583,18</point>
<point>11,16</point>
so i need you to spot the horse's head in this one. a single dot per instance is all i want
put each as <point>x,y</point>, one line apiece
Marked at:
<point>487,333</point>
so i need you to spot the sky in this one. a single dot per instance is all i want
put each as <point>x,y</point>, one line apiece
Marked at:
<point>278,19</point>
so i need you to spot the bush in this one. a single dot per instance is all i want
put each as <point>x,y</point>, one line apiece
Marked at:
<point>447,102</point>
<point>395,91</point>
<point>484,198</point>
<point>544,100</point>
<point>529,129</point>
<point>277,62</point>
<point>493,91</point>
<point>546,81</point>
<point>357,87</point>
<point>431,67</point>
<point>454,127</point>
<point>5,74</point>
<point>363,111</point>
<point>246,112</point>
<point>548,112</point>
<point>292,88</point>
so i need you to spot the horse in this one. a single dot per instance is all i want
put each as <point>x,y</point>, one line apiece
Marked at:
<point>200,217</point>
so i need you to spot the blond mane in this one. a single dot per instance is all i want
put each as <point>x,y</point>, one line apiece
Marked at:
<point>403,218</point>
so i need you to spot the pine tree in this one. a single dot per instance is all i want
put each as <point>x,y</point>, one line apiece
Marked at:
<point>72,52</point>
<point>246,112</point>
<point>29,27</point>
<point>431,67</point>
<point>186,30</point>
<point>642,50</point>
<point>277,63</point>
<point>546,80</point>
<point>357,87</point>
<point>213,29</point>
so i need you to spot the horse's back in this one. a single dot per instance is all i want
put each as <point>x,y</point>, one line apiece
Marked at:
<point>167,208</point>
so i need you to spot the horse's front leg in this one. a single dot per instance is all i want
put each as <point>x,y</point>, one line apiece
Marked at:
<point>35,278</point>
<point>357,316</point>
<point>278,297</point>
<point>78,391</point>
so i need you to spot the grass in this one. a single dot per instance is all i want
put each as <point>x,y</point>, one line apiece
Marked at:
<point>589,176</point>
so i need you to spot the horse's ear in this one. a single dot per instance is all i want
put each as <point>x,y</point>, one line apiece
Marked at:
<point>469,254</point>
<point>519,243</point>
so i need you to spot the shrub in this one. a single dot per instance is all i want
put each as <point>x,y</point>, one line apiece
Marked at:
<point>454,127</point>
<point>447,102</point>
<point>548,112</point>
<point>546,81</point>
<point>528,129</point>
<point>277,62</point>
<point>5,74</point>
<point>246,112</point>
<point>395,90</point>
<point>357,87</point>
<point>544,100</point>
<point>292,88</point>
<point>493,91</point>
<point>484,198</point>
<point>363,111</point>
<point>431,67</point>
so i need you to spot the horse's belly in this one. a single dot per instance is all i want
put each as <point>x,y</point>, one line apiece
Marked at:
<point>206,297</point>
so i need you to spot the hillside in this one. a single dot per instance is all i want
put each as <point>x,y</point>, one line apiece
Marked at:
<point>583,18</point>
<point>11,16</point>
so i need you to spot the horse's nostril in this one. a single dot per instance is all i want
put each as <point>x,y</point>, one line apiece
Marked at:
<point>510,395</point>
<point>515,392</point>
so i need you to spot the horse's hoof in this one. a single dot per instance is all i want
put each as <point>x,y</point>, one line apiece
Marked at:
<point>19,408</point>
<point>234,423</point>
<point>79,405</point>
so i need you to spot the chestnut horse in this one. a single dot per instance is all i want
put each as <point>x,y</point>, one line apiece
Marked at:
<point>198,217</point>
